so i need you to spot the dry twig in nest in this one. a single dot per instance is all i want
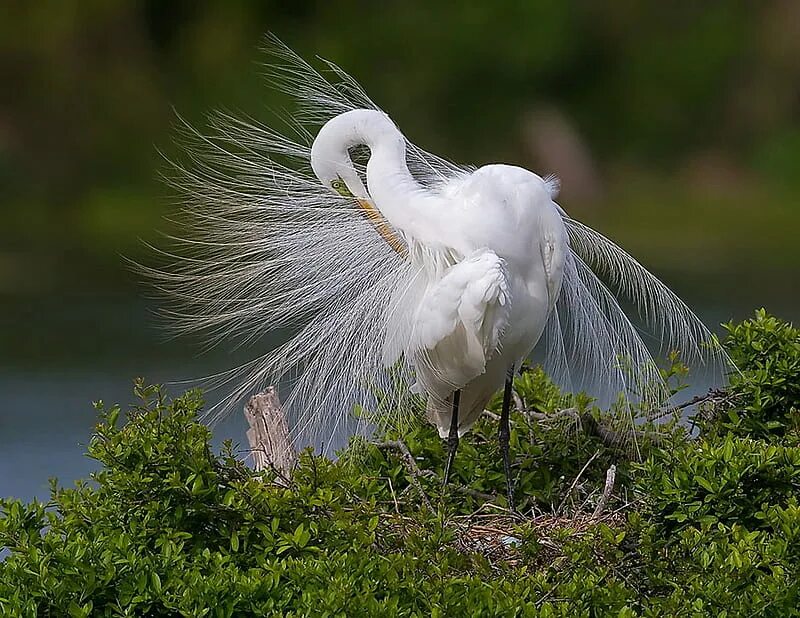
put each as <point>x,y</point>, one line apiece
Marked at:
<point>611,475</point>
<point>575,482</point>
<point>411,465</point>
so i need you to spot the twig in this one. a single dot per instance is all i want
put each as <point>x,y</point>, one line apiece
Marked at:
<point>593,427</point>
<point>474,493</point>
<point>713,393</point>
<point>411,465</point>
<point>613,438</point>
<point>575,482</point>
<point>547,416</point>
<point>503,509</point>
<point>611,475</point>
<point>394,496</point>
<point>518,403</point>
<point>417,473</point>
<point>627,505</point>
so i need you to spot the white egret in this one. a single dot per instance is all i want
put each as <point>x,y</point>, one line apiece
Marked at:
<point>407,274</point>
<point>489,248</point>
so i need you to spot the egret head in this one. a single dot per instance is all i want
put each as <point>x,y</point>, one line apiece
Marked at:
<point>336,172</point>
<point>331,161</point>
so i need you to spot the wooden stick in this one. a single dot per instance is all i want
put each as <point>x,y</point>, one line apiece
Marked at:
<point>268,435</point>
<point>575,482</point>
<point>411,465</point>
<point>611,475</point>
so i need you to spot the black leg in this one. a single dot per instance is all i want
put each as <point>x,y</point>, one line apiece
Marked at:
<point>504,436</point>
<point>452,437</point>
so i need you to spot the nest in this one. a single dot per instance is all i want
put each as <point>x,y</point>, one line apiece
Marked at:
<point>505,539</point>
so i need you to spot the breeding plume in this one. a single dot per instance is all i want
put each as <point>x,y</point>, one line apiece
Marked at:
<point>397,280</point>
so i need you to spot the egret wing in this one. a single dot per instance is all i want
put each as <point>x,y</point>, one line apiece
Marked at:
<point>459,322</point>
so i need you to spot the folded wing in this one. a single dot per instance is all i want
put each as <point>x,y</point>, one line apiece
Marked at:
<point>459,322</point>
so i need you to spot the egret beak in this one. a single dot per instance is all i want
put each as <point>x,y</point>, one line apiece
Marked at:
<point>375,217</point>
<point>382,225</point>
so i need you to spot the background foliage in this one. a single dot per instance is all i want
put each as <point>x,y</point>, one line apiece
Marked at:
<point>703,527</point>
<point>683,109</point>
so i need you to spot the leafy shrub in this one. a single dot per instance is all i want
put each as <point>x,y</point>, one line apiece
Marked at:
<point>736,481</point>
<point>168,528</point>
<point>766,394</point>
<point>723,571</point>
<point>709,527</point>
<point>721,514</point>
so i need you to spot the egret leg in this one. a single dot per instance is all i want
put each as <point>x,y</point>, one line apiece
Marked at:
<point>504,436</point>
<point>452,437</point>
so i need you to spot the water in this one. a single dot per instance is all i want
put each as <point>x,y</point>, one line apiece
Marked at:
<point>48,418</point>
<point>56,359</point>
<point>46,426</point>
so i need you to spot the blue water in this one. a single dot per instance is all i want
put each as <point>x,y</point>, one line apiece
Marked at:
<point>47,418</point>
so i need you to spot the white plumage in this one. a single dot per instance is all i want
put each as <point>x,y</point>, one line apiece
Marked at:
<point>405,275</point>
<point>486,311</point>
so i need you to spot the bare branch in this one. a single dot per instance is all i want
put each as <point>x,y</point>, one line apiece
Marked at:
<point>394,496</point>
<point>268,436</point>
<point>548,416</point>
<point>611,475</point>
<point>575,482</point>
<point>518,403</point>
<point>411,465</point>
<point>475,494</point>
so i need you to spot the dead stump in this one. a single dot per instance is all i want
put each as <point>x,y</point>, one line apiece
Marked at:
<point>268,436</point>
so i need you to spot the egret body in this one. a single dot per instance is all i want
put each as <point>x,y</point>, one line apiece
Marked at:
<point>490,250</point>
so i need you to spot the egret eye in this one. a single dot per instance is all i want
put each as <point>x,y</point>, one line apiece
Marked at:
<point>341,188</point>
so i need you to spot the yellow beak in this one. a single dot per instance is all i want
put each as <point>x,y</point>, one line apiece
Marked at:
<point>384,229</point>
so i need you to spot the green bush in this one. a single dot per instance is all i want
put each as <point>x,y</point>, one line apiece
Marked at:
<point>724,571</point>
<point>766,394</point>
<point>737,481</point>
<point>166,527</point>
<point>721,514</point>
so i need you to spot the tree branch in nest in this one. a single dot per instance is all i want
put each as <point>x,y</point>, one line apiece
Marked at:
<point>411,466</point>
<point>613,438</point>
<point>575,482</point>
<point>608,436</point>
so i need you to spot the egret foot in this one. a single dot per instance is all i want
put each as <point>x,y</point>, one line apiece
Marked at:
<point>504,436</point>
<point>452,438</point>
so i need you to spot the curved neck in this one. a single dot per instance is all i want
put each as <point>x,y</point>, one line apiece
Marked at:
<point>391,186</point>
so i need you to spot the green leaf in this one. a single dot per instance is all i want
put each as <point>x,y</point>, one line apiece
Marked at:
<point>704,483</point>
<point>156,581</point>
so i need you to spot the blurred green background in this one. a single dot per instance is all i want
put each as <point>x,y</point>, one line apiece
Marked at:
<point>675,127</point>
